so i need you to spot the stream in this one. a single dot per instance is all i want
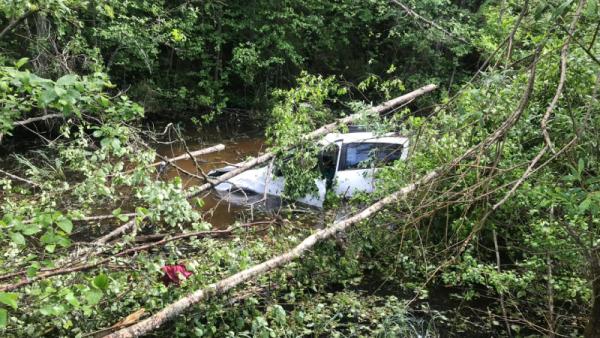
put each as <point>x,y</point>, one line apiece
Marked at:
<point>216,211</point>
<point>238,147</point>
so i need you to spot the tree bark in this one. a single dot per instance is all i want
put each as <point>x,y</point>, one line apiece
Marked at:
<point>195,153</point>
<point>232,281</point>
<point>592,330</point>
<point>36,119</point>
<point>241,167</point>
<point>15,22</point>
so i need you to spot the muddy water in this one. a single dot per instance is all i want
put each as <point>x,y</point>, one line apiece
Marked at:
<point>216,210</point>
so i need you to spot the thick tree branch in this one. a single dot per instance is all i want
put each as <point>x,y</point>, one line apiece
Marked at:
<point>242,167</point>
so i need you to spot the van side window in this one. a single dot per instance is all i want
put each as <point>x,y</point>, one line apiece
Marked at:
<point>369,155</point>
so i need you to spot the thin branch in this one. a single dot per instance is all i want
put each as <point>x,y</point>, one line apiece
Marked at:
<point>67,270</point>
<point>17,178</point>
<point>563,76</point>
<point>416,15</point>
<point>12,24</point>
<point>38,118</point>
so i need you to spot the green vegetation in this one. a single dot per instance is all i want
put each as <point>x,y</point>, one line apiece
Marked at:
<point>503,242</point>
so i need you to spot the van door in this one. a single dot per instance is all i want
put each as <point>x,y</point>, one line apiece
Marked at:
<point>327,164</point>
<point>359,163</point>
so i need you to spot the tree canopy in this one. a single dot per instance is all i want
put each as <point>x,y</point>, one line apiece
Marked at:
<point>495,224</point>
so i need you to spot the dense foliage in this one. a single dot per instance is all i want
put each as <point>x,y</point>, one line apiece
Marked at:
<point>504,242</point>
<point>200,56</point>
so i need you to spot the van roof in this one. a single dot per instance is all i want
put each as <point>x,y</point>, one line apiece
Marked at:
<point>364,137</point>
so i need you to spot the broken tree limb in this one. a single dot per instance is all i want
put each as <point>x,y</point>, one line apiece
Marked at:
<point>36,119</point>
<point>228,283</point>
<point>269,155</point>
<point>232,281</point>
<point>312,135</point>
<point>17,178</point>
<point>192,154</point>
<point>44,274</point>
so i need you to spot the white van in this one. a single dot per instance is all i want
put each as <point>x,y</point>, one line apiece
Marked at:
<point>347,163</point>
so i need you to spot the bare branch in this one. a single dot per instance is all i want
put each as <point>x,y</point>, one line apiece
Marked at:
<point>416,15</point>
<point>564,52</point>
<point>15,177</point>
<point>12,24</point>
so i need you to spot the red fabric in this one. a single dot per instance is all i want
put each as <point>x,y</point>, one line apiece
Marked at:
<point>173,272</point>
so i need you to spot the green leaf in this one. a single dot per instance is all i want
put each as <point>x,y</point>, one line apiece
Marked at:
<point>32,270</point>
<point>60,92</point>
<point>561,9</point>
<point>65,224</point>
<point>45,219</point>
<point>93,296</point>
<point>101,282</point>
<point>17,238</point>
<point>50,248</point>
<point>109,11</point>
<point>21,62</point>
<point>585,205</point>
<point>48,237</point>
<point>70,297</point>
<point>591,8</point>
<point>580,166</point>
<point>67,80</point>
<point>31,229</point>
<point>3,318</point>
<point>9,298</point>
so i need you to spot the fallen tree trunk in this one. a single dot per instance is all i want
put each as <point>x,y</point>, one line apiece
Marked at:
<point>196,153</point>
<point>388,105</point>
<point>228,283</point>
<point>176,308</point>
<point>391,104</point>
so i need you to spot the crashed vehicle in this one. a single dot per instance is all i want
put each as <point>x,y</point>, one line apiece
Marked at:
<point>347,162</point>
